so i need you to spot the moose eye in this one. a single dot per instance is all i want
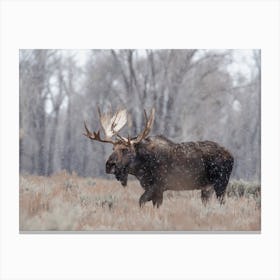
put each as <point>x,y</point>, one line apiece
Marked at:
<point>124,151</point>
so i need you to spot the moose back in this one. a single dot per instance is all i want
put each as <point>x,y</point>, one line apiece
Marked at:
<point>160,164</point>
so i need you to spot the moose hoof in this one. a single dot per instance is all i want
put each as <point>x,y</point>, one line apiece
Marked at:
<point>141,202</point>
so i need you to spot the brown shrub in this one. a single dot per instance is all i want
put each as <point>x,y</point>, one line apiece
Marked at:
<point>67,202</point>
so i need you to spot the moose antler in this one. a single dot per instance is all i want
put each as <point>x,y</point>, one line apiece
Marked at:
<point>147,128</point>
<point>110,126</point>
<point>96,136</point>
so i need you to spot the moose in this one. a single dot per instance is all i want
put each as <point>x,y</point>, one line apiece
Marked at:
<point>160,164</point>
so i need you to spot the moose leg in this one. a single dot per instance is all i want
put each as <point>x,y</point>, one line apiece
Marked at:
<point>157,198</point>
<point>146,196</point>
<point>206,194</point>
<point>219,175</point>
<point>220,187</point>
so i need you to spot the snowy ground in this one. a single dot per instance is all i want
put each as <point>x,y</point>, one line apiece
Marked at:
<point>71,203</point>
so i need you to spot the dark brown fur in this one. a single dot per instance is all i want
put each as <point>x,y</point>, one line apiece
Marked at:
<point>160,164</point>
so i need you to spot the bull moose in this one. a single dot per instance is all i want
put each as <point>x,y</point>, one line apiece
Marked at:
<point>160,164</point>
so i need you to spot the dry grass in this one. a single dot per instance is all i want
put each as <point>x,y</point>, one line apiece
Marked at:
<point>68,202</point>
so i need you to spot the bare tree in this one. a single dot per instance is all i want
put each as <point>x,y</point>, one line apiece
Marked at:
<point>195,95</point>
<point>56,99</point>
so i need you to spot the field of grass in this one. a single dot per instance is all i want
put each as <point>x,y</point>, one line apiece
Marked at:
<point>71,203</point>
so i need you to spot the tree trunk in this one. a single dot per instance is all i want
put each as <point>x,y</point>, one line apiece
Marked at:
<point>52,144</point>
<point>41,139</point>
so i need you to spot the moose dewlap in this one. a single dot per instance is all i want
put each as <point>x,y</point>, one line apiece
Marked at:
<point>160,164</point>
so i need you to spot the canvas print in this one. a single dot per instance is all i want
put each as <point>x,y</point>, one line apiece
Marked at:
<point>140,140</point>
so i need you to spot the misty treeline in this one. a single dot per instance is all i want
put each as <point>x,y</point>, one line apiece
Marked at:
<point>197,94</point>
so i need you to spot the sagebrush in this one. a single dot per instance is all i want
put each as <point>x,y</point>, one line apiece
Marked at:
<point>66,202</point>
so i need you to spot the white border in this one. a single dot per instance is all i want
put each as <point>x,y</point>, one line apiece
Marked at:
<point>157,24</point>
